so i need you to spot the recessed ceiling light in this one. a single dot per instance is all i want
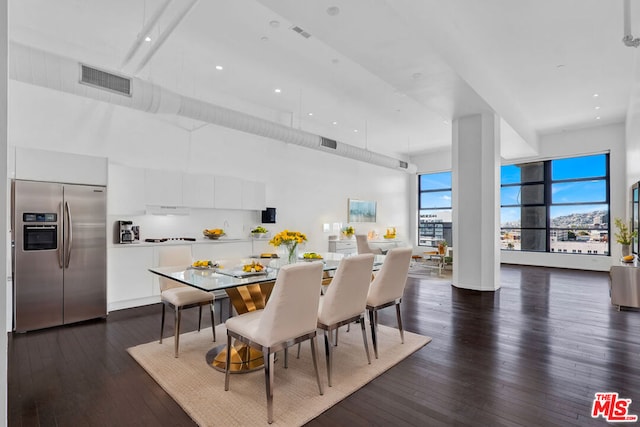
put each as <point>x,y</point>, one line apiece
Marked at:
<point>446,122</point>
<point>416,76</point>
<point>277,90</point>
<point>147,39</point>
<point>219,67</point>
<point>598,118</point>
<point>595,95</point>
<point>274,23</point>
<point>355,130</point>
<point>264,38</point>
<point>598,107</point>
<point>333,11</point>
<point>310,114</point>
<point>335,123</point>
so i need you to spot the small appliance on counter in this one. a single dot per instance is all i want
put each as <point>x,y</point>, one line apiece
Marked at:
<point>126,232</point>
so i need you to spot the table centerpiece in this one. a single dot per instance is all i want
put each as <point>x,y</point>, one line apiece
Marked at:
<point>348,232</point>
<point>290,240</point>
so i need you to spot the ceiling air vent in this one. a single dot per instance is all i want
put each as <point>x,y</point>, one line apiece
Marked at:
<point>329,143</point>
<point>300,31</point>
<point>103,80</point>
<point>404,165</point>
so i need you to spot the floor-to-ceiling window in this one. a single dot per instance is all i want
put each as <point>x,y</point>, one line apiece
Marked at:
<point>434,209</point>
<point>559,205</point>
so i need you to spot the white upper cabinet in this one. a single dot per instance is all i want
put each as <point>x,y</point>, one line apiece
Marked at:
<point>125,195</point>
<point>42,165</point>
<point>162,188</point>
<point>228,193</point>
<point>253,195</point>
<point>198,190</point>
<point>135,191</point>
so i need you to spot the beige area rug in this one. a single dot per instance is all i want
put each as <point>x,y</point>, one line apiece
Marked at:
<point>199,388</point>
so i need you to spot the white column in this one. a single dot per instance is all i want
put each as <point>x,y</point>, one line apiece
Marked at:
<point>476,202</point>
<point>4,206</point>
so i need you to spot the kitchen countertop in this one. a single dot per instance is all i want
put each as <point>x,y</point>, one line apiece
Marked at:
<point>200,241</point>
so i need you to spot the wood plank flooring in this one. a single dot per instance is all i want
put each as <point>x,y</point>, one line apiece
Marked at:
<point>531,354</point>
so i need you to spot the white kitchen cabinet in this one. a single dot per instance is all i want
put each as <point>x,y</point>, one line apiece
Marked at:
<point>162,187</point>
<point>253,195</point>
<point>198,190</point>
<point>125,192</point>
<point>43,165</point>
<point>128,279</point>
<point>228,192</point>
<point>343,246</point>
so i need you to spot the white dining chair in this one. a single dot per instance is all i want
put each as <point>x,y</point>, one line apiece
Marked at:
<point>289,317</point>
<point>344,302</point>
<point>178,296</point>
<point>363,247</point>
<point>387,288</point>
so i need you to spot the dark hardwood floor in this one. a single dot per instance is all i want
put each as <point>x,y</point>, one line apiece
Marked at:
<point>533,354</point>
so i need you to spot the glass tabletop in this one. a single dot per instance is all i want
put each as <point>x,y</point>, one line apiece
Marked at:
<point>230,274</point>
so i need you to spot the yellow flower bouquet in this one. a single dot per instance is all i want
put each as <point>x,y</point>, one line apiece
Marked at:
<point>291,240</point>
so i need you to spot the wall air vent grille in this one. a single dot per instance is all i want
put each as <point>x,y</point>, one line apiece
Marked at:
<point>300,31</point>
<point>103,80</point>
<point>404,165</point>
<point>329,143</point>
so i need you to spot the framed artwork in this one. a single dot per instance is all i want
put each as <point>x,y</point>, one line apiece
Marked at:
<point>362,210</point>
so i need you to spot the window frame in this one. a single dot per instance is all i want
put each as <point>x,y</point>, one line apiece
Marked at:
<point>446,228</point>
<point>548,183</point>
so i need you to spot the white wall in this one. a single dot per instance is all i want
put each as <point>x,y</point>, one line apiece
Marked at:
<point>4,41</point>
<point>307,187</point>
<point>565,144</point>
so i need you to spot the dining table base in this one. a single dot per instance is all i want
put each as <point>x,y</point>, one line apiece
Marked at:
<point>243,358</point>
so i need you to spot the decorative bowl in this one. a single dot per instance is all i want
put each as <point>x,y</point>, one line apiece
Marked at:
<point>212,236</point>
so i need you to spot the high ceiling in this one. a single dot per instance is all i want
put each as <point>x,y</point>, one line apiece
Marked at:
<point>385,75</point>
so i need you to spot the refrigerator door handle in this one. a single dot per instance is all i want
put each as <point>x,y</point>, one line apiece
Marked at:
<point>60,247</point>
<point>69,234</point>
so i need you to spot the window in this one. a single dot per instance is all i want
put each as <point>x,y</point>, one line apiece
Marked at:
<point>434,209</point>
<point>556,206</point>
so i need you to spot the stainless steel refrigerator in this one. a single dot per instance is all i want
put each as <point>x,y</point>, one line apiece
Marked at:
<point>59,253</point>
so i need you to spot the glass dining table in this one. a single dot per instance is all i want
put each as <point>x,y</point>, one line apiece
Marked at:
<point>247,291</point>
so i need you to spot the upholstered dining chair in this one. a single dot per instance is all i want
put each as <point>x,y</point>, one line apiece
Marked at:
<point>387,288</point>
<point>363,246</point>
<point>345,301</point>
<point>289,317</point>
<point>178,296</point>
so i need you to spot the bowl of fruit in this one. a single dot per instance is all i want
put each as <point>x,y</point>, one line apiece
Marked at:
<point>254,267</point>
<point>259,232</point>
<point>204,265</point>
<point>213,233</point>
<point>311,256</point>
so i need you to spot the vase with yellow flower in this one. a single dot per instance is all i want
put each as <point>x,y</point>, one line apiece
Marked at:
<point>348,232</point>
<point>290,240</point>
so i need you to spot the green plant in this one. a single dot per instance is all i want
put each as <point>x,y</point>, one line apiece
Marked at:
<point>624,236</point>
<point>348,231</point>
